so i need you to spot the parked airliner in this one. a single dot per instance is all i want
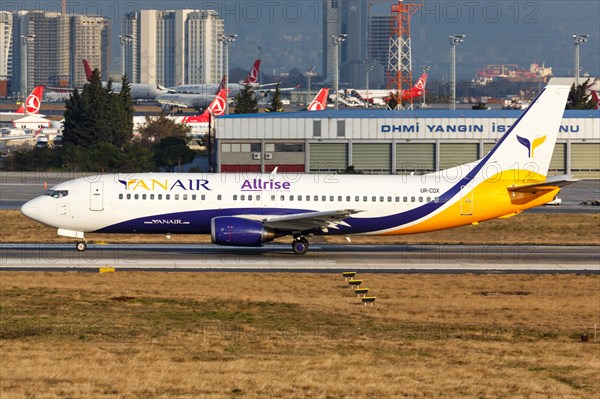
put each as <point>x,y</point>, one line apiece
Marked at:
<point>250,210</point>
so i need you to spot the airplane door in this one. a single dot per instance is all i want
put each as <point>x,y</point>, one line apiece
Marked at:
<point>466,201</point>
<point>96,196</point>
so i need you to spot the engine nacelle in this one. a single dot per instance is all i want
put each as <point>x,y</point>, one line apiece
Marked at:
<point>230,230</point>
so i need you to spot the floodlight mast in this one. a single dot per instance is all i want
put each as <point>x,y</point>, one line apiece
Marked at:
<point>578,39</point>
<point>337,40</point>
<point>454,41</point>
<point>227,40</point>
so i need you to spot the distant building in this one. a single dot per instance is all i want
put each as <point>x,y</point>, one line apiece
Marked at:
<point>6,24</point>
<point>56,49</point>
<point>174,47</point>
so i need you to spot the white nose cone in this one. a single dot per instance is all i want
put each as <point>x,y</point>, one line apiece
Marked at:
<point>31,209</point>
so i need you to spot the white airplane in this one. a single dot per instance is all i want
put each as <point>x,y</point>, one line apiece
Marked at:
<point>201,95</point>
<point>251,210</point>
<point>32,106</point>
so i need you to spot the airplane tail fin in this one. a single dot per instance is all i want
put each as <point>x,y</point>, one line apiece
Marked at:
<point>216,108</point>
<point>33,102</point>
<point>526,149</point>
<point>222,84</point>
<point>88,70</point>
<point>421,83</point>
<point>252,77</point>
<point>320,101</point>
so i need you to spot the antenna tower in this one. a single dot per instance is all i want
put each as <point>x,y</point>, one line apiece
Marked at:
<point>399,71</point>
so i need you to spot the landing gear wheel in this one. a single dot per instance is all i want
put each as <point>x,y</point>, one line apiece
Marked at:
<point>81,246</point>
<point>300,246</point>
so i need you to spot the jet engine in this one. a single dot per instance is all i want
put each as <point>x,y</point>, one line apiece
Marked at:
<point>230,230</point>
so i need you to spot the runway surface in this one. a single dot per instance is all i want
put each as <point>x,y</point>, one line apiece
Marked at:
<point>320,258</point>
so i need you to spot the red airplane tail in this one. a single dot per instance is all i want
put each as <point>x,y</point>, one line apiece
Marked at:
<point>33,102</point>
<point>88,70</point>
<point>216,108</point>
<point>320,101</point>
<point>252,77</point>
<point>222,84</point>
<point>417,90</point>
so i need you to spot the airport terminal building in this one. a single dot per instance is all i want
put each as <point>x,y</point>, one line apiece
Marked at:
<point>379,141</point>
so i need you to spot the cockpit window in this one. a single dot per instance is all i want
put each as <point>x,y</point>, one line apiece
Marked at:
<point>57,193</point>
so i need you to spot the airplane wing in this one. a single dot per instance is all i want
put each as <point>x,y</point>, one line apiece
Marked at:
<point>172,102</point>
<point>310,220</point>
<point>550,183</point>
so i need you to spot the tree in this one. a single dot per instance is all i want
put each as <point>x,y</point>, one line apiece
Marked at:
<point>156,129</point>
<point>98,115</point>
<point>579,98</point>
<point>276,104</point>
<point>171,151</point>
<point>245,101</point>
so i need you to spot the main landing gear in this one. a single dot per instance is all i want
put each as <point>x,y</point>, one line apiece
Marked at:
<point>81,246</point>
<point>300,245</point>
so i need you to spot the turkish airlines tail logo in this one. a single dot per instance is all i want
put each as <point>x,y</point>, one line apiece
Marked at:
<point>217,106</point>
<point>33,102</point>
<point>420,85</point>
<point>319,103</point>
<point>253,75</point>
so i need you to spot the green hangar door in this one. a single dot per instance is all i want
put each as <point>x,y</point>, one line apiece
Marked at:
<point>452,154</point>
<point>373,158</point>
<point>328,157</point>
<point>416,158</point>
<point>585,160</point>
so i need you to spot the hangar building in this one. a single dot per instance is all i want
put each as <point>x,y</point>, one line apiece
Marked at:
<point>389,142</point>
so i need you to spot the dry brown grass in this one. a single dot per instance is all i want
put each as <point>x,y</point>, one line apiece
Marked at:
<point>533,228</point>
<point>224,335</point>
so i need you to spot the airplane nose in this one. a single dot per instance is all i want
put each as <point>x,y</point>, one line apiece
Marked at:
<point>31,209</point>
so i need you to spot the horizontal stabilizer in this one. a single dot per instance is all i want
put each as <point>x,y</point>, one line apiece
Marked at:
<point>550,183</point>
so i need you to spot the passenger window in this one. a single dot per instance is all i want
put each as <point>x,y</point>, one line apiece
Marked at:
<point>397,199</point>
<point>436,199</point>
<point>176,196</point>
<point>167,196</point>
<point>272,198</point>
<point>159,196</point>
<point>120,196</point>
<point>339,198</point>
<point>291,197</point>
<point>308,198</point>
<point>428,199</point>
<point>128,196</point>
<point>347,198</point>
<point>324,198</point>
<point>258,197</point>
<point>420,199</point>
<point>374,199</point>
<point>405,199</point>
<point>185,197</point>
<point>412,199</point>
<point>365,198</point>
<point>389,199</point>
<point>143,196</point>
<point>151,196</point>
<point>242,197</point>
<point>357,198</point>
<point>234,197</point>
<point>219,197</point>
<point>316,198</point>
<point>381,199</point>
<point>249,198</point>
<point>331,198</point>
<point>193,197</point>
<point>282,197</point>
<point>137,196</point>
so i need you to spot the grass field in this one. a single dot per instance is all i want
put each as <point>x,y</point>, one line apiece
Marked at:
<point>227,335</point>
<point>528,228</point>
<point>243,335</point>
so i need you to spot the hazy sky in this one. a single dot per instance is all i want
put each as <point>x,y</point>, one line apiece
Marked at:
<point>289,31</point>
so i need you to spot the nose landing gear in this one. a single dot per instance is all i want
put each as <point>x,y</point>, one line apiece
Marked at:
<point>81,246</point>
